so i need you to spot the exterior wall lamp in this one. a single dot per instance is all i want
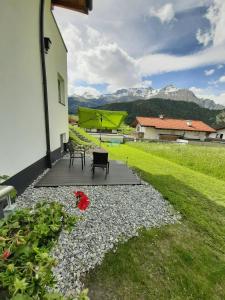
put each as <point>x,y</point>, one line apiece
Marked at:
<point>47,44</point>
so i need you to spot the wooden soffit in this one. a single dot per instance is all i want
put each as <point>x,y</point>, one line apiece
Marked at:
<point>82,6</point>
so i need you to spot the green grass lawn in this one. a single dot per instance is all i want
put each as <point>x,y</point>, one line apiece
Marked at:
<point>182,261</point>
<point>208,160</point>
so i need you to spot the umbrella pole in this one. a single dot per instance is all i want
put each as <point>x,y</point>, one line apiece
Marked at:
<point>101,133</point>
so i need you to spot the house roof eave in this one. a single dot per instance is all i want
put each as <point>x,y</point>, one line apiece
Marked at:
<point>221,128</point>
<point>82,6</point>
<point>141,122</point>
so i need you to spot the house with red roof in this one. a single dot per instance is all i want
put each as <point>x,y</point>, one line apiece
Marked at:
<point>171,129</point>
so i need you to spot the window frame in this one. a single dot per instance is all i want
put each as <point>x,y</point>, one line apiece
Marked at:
<point>62,138</point>
<point>61,89</point>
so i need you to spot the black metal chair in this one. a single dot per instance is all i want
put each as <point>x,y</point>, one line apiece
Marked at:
<point>100,160</point>
<point>80,148</point>
<point>74,153</point>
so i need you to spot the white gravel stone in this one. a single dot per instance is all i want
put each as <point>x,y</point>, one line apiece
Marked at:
<point>116,213</point>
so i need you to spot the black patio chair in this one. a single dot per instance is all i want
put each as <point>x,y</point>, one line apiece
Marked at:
<point>74,153</point>
<point>100,160</point>
<point>80,148</point>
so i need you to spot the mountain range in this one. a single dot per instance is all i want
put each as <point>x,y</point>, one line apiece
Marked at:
<point>169,92</point>
<point>169,109</point>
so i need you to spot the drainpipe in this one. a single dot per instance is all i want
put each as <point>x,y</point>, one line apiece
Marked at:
<point>89,4</point>
<point>44,82</point>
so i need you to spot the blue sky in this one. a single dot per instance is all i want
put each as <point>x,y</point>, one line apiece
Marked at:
<point>131,43</point>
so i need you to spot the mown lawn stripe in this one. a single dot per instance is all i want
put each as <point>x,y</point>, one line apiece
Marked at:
<point>181,261</point>
<point>211,187</point>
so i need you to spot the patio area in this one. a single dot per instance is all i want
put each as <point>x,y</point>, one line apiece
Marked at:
<point>120,206</point>
<point>63,175</point>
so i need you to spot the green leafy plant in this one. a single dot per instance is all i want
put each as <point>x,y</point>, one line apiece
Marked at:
<point>54,296</point>
<point>126,129</point>
<point>26,238</point>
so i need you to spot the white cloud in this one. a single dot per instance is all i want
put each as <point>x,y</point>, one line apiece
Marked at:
<point>101,45</point>
<point>203,37</point>
<point>222,79</point>
<point>82,90</point>
<point>165,13</point>
<point>95,59</point>
<point>143,84</point>
<point>220,66</point>
<point>160,63</point>
<point>217,82</point>
<point>199,92</point>
<point>213,83</point>
<point>109,63</point>
<point>208,94</point>
<point>216,17</point>
<point>209,72</point>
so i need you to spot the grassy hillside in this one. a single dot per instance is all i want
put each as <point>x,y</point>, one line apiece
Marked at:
<point>169,108</point>
<point>205,159</point>
<point>184,261</point>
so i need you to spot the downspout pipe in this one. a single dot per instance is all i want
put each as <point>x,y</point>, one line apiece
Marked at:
<point>44,82</point>
<point>89,4</point>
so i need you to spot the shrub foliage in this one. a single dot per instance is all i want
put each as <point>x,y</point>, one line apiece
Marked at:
<point>26,238</point>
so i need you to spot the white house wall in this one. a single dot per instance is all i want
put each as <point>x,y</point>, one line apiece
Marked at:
<point>195,135</point>
<point>150,133</point>
<point>221,131</point>
<point>213,135</point>
<point>56,62</point>
<point>154,134</point>
<point>22,128</point>
<point>22,119</point>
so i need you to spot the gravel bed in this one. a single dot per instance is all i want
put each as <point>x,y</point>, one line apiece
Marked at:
<point>116,214</point>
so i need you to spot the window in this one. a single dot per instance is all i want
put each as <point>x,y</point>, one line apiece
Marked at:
<point>61,89</point>
<point>62,141</point>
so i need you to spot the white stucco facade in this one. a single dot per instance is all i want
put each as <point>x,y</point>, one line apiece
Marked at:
<point>22,119</point>
<point>56,64</point>
<point>153,133</point>
<point>219,134</point>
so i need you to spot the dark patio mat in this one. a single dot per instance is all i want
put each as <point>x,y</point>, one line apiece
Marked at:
<point>62,175</point>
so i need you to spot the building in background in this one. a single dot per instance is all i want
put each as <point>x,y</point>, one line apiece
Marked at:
<point>219,134</point>
<point>33,84</point>
<point>171,129</point>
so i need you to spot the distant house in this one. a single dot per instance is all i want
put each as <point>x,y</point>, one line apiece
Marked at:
<point>33,100</point>
<point>219,133</point>
<point>171,129</point>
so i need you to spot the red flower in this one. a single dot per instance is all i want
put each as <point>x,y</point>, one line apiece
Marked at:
<point>6,254</point>
<point>79,194</point>
<point>83,203</point>
<point>84,198</point>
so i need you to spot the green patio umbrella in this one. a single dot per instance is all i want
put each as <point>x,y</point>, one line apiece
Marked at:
<point>100,119</point>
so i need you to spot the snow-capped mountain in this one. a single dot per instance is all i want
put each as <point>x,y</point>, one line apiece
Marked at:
<point>169,92</point>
